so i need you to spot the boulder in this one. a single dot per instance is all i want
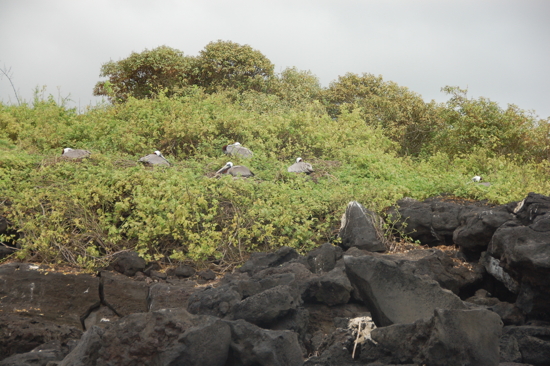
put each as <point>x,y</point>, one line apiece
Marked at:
<point>184,271</point>
<point>478,225</point>
<point>509,313</point>
<point>527,344</point>
<point>441,266</point>
<point>531,207</point>
<point>395,295</point>
<point>450,337</point>
<point>127,263</point>
<point>323,258</point>
<point>332,288</point>
<point>267,306</point>
<point>36,291</point>
<point>164,337</point>
<point>523,252</point>
<point>361,228</point>
<point>251,345</point>
<point>433,222</point>
<point>216,301</point>
<point>260,261</point>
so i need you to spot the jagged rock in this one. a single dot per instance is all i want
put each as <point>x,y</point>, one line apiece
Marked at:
<point>532,343</point>
<point>267,306</point>
<point>122,294</point>
<point>164,296</point>
<point>164,337</point>
<point>332,288</point>
<point>478,226</point>
<point>36,291</point>
<point>395,295</point>
<point>361,228</point>
<point>450,337</point>
<point>251,345</point>
<point>216,301</point>
<point>260,261</point>
<point>127,263</point>
<point>323,258</point>
<point>19,334</point>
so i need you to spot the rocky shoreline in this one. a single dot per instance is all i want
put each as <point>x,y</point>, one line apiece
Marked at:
<point>476,293</point>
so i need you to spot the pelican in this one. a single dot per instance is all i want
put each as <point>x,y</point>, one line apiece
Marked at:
<point>300,167</point>
<point>477,178</point>
<point>154,159</point>
<point>235,171</point>
<point>237,149</point>
<point>75,153</point>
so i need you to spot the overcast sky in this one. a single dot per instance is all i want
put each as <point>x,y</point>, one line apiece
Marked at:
<point>498,49</point>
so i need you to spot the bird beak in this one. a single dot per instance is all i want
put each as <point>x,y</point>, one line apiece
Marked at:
<point>225,167</point>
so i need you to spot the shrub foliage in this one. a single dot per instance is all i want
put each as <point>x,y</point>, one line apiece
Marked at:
<point>368,140</point>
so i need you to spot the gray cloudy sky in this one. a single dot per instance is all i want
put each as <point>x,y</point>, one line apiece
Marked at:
<point>499,49</point>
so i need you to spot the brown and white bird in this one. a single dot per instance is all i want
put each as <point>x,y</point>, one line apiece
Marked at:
<point>237,149</point>
<point>75,153</point>
<point>154,159</point>
<point>300,167</point>
<point>236,171</point>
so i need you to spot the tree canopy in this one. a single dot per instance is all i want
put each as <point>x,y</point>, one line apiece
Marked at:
<point>142,75</point>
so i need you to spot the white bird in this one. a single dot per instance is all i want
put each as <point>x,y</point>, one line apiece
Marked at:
<point>300,167</point>
<point>236,171</point>
<point>75,153</point>
<point>237,149</point>
<point>154,159</point>
<point>477,178</point>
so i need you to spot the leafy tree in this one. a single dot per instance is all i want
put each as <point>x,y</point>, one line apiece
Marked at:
<point>404,115</point>
<point>225,64</point>
<point>480,123</point>
<point>296,86</point>
<point>143,75</point>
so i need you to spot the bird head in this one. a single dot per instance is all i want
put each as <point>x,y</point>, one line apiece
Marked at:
<point>65,150</point>
<point>298,160</point>
<point>225,168</point>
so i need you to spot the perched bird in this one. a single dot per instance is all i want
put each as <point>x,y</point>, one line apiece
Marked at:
<point>477,179</point>
<point>154,159</point>
<point>75,153</point>
<point>237,149</point>
<point>300,167</point>
<point>236,171</point>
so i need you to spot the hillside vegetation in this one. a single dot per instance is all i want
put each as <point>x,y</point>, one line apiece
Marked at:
<point>368,140</point>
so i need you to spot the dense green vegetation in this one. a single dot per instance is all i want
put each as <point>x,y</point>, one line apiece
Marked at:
<point>368,140</point>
